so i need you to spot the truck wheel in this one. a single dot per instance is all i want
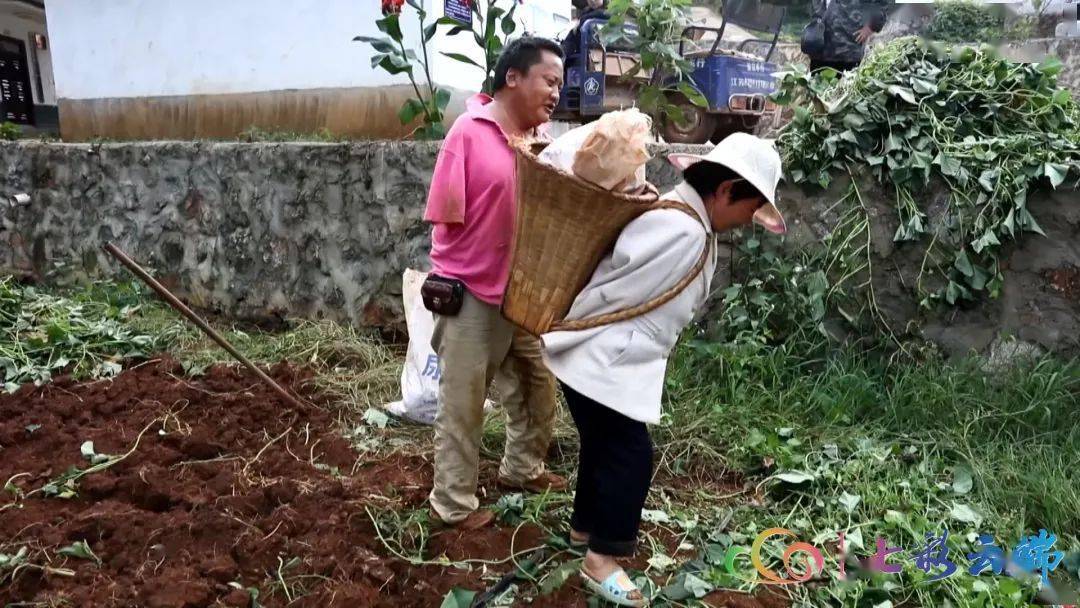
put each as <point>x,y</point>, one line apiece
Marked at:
<point>697,128</point>
<point>734,124</point>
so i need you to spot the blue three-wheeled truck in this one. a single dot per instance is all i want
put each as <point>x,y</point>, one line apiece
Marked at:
<point>735,79</point>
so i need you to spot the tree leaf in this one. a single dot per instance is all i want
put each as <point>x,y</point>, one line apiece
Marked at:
<point>694,95</point>
<point>1010,222</point>
<point>80,550</point>
<point>1027,221</point>
<point>962,480</point>
<point>453,22</point>
<point>949,166</point>
<point>442,99</point>
<point>429,31</point>
<point>963,263</point>
<point>462,59</point>
<point>381,44</point>
<point>904,93</point>
<point>697,587</point>
<point>924,87</point>
<point>410,110</point>
<point>849,501</point>
<point>554,581</point>
<point>1057,173</point>
<point>676,589</point>
<point>391,26</point>
<point>1051,66</point>
<point>395,64</point>
<point>458,598</point>
<point>854,121</point>
<point>795,477</point>
<point>988,239</point>
<point>376,418</point>
<point>964,513</point>
<point>952,292</point>
<point>661,562</point>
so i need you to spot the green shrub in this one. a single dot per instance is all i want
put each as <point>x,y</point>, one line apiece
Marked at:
<point>10,131</point>
<point>966,21</point>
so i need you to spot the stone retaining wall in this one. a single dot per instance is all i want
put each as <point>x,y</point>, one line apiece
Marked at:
<point>325,231</point>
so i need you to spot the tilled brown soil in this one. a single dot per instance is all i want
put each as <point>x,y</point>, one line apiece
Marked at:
<point>226,486</point>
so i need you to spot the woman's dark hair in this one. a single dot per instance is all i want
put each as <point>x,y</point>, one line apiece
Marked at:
<point>522,54</point>
<point>705,177</point>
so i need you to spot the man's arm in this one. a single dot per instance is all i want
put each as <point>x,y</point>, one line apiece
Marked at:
<point>446,198</point>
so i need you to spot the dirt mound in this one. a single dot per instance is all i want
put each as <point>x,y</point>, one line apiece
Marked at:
<point>227,485</point>
<point>225,492</point>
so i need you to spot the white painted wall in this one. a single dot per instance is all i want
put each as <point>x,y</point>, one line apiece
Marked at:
<point>131,48</point>
<point>19,20</point>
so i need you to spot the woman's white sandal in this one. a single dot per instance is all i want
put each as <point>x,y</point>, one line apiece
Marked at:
<point>616,589</point>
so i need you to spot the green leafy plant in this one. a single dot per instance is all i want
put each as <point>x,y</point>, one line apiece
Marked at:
<point>660,24</point>
<point>510,508</point>
<point>916,113</point>
<point>458,598</point>
<point>966,21</point>
<point>42,333</point>
<point>66,485</point>
<point>430,101</point>
<point>11,564</point>
<point>10,131</point>
<point>490,29</point>
<point>772,297</point>
<point>80,550</point>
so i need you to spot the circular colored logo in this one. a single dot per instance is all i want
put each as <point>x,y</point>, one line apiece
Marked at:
<point>592,86</point>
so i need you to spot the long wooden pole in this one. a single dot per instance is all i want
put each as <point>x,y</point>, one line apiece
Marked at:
<point>182,308</point>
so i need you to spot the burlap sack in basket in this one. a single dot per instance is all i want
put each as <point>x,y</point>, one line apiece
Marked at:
<point>565,226</point>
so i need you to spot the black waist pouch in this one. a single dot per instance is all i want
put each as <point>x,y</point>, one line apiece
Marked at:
<point>442,296</point>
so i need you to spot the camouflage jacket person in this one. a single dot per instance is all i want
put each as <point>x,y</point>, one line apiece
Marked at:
<point>843,18</point>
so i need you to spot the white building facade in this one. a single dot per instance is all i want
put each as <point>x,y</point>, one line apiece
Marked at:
<point>207,68</point>
<point>27,91</point>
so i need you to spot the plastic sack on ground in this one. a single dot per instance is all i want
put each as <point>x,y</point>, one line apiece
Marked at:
<point>610,152</point>
<point>420,376</point>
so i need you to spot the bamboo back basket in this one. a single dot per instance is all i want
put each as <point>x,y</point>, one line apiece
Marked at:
<point>564,228</point>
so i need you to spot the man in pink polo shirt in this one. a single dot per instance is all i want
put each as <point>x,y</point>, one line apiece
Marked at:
<point>472,207</point>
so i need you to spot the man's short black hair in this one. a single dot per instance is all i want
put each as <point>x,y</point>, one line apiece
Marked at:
<point>705,177</point>
<point>521,54</point>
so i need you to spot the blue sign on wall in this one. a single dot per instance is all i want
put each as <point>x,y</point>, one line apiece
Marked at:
<point>459,10</point>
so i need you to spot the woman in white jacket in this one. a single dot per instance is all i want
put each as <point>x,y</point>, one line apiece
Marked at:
<point>613,376</point>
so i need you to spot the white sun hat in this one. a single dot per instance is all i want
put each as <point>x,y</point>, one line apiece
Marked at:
<point>754,159</point>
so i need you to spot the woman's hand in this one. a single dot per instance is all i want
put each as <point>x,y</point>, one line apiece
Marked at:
<point>863,36</point>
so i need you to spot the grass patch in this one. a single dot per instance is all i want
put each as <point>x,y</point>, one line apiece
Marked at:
<point>352,366</point>
<point>896,449</point>
<point>815,439</point>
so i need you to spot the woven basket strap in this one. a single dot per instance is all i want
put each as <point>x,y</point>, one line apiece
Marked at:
<point>658,301</point>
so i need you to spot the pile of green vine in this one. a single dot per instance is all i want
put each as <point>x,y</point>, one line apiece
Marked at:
<point>917,112</point>
<point>42,333</point>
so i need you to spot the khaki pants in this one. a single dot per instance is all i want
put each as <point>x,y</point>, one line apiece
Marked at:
<point>475,347</point>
